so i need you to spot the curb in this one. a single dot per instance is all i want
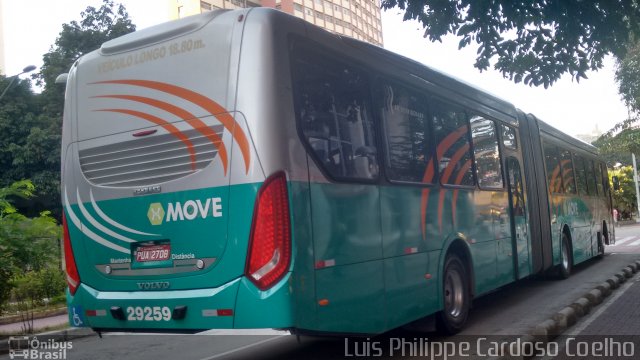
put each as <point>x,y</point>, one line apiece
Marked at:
<point>39,315</point>
<point>567,317</point>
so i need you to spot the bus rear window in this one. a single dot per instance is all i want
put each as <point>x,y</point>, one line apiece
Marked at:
<point>332,110</point>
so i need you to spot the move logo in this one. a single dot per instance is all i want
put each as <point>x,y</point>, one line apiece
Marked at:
<point>189,210</point>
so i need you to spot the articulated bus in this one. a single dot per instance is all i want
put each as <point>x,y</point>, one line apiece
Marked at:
<point>246,169</point>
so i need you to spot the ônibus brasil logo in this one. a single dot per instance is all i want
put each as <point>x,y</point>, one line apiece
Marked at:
<point>189,210</point>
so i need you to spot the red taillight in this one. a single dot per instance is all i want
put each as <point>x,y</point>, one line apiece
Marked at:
<point>270,242</point>
<point>73,279</point>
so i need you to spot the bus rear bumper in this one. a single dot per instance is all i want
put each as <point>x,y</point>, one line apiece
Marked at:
<point>234,305</point>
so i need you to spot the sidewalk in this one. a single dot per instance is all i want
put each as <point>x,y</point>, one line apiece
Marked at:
<point>625,223</point>
<point>38,325</point>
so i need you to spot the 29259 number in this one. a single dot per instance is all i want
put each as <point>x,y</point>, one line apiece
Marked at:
<point>148,313</point>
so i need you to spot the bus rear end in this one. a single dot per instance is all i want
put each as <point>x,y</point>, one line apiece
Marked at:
<point>169,221</point>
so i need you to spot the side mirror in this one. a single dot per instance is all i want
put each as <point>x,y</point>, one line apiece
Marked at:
<point>616,183</point>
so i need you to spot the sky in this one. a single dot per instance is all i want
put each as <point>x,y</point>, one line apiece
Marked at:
<point>575,108</point>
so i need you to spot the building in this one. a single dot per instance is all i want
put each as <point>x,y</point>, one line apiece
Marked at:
<point>359,19</point>
<point>591,137</point>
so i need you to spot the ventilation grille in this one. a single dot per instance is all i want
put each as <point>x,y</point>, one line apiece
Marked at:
<point>149,160</point>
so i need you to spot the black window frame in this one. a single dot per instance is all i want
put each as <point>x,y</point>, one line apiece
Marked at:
<point>465,110</point>
<point>497,126</point>
<point>298,45</point>
<point>604,175</point>
<point>573,171</point>
<point>581,174</point>
<point>379,82</point>
<point>504,126</point>
<point>547,144</point>
<point>592,176</point>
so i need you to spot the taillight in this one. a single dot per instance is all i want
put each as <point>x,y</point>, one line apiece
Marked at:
<point>73,279</point>
<point>270,242</point>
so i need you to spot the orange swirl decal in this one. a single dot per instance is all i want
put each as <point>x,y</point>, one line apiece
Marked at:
<point>455,159</point>
<point>454,201</point>
<point>202,101</point>
<point>167,126</point>
<point>555,182</point>
<point>189,118</point>
<point>443,146</point>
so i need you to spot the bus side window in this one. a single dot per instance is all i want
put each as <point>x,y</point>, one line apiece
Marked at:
<point>408,136</point>
<point>591,178</point>
<point>605,179</point>
<point>332,107</point>
<point>597,176</point>
<point>581,176</point>
<point>485,149</point>
<point>554,177</point>
<point>452,138</point>
<point>568,178</point>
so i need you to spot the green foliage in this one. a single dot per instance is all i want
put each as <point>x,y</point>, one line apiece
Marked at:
<point>628,78</point>
<point>535,41</point>
<point>30,128</point>
<point>6,272</point>
<point>618,148</point>
<point>35,286</point>
<point>30,124</point>
<point>26,244</point>
<point>96,26</point>
<point>624,199</point>
<point>23,189</point>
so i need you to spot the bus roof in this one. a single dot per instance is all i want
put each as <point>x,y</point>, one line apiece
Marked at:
<point>438,77</point>
<point>566,138</point>
<point>467,90</point>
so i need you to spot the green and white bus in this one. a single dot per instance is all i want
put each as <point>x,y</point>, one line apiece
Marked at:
<point>246,169</point>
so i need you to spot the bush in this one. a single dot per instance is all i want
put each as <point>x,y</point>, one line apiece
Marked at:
<point>58,299</point>
<point>35,286</point>
<point>29,249</point>
<point>6,273</point>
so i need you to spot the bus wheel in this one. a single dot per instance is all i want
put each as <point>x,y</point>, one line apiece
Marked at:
<point>455,297</point>
<point>565,258</point>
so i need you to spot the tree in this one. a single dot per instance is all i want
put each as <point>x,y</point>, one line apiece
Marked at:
<point>628,79</point>
<point>29,142</point>
<point>30,125</point>
<point>535,41</point>
<point>618,148</point>
<point>25,243</point>
<point>624,199</point>
<point>96,27</point>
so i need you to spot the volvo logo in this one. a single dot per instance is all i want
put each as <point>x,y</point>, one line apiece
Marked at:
<point>153,285</point>
<point>147,190</point>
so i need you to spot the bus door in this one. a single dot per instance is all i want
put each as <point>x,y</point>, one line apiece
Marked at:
<point>519,221</point>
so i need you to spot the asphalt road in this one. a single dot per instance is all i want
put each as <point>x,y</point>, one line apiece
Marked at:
<point>504,314</point>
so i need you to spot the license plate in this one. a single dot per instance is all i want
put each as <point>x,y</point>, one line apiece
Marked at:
<point>153,253</point>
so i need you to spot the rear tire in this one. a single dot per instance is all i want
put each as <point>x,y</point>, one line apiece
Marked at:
<point>566,261</point>
<point>455,297</point>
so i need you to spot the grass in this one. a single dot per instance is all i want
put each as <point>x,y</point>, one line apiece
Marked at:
<point>17,309</point>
